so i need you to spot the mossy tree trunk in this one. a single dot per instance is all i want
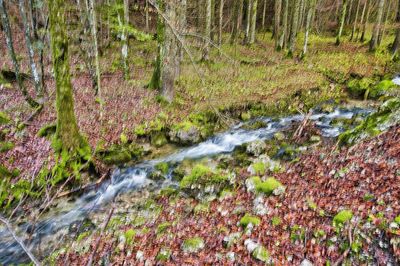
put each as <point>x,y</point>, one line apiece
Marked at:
<point>294,27</point>
<point>396,43</point>
<point>10,47</point>
<point>341,22</point>
<point>277,23</point>
<point>67,129</point>
<point>373,44</point>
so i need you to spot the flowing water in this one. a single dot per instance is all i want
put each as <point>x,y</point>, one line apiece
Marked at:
<point>56,223</point>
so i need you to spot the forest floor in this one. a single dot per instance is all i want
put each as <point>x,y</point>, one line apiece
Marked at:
<point>236,76</point>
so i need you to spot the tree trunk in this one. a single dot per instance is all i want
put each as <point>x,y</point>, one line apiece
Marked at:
<point>92,13</point>
<point>264,14</point>
<point>277,23</point>
<point>308,25</point>
<point>9,41</point>
<point>124,39</point>
<point>293,33</point>
<point>67,129</point>
<point>396,42</point>
<point>220,20</point>
<point>355,26</point>
<point>207,31</point>
<point>253,22</point>
<point>341,22</point>
<point>364,29</point>
<point>301,9</point>
<point>31,53</point>
<point>375,34</point>
<point>237,20</point>
<point>248,22</point>
<point>147,15</point>
<point>348,20</point>
<point>284,34</point>
<point>383,29</point>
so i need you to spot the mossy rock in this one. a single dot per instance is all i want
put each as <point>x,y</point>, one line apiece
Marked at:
<point>258,168</point>
<point>342,217</point>
<point>270,186</point>
<point>120,154</point>
<point>185,133</point>
<point>358,87</point>
<point>249,219</point>
<point>47,130</point>
<point>162,167</point>
<point>158,139</point>
<point>193,245</point>
<point>368,88</point>
<point>261,253</point>
<point>4,118</point>
<point>6,146</point>
<point>386,116</point>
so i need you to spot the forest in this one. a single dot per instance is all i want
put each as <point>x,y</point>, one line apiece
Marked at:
<point>200,132</point>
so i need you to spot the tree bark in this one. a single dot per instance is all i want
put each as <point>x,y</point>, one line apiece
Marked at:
<point>383,29</point>
<point>124,39</point>
<point>31,53</point>
<point>207,31</point>
<point>67,129</point>
<point>92,13</point>
<point>308,25</point>
<point>348,20</point>
<point>147,15</point>
<point>396,42</point>
<point>355,23</point>
<point>277,23</point>
<point>295,22</point>
<point>364,29</point>
<point>341,22</point>
<point>264,14</point>
<point>284,34</point>
<point>253,22</point>
<point>10,47</point>
<point>220,20</point>
<point>377,27</point>
<point>248,22</point>
<point>237,20</point>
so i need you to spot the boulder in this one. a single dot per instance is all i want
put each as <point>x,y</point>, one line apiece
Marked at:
<point>256,147</point>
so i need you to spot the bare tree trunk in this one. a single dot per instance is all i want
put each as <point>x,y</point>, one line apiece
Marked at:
<point>396,42</point>
<point>348,20</point>
<point>248,22</point>
<point>31,53</point>
<point>147,15</point>
<point>301,10</point>
<point>253,22</point>
<point>382,31</point>
<point>293,33</point>
<point>220,20</point>
<point>277,23</point>
<point>308,25</point>
<point>355,23</point>
<point>341,22</point>
<point>124,39</point>
<point>92,13</point>
<point>364,29</point>
<point>237,20</point>
<point>9,41</point>
<point>264,14</point>
<point>285,31</point>
<point>375,35</point>
<point>207,31</point>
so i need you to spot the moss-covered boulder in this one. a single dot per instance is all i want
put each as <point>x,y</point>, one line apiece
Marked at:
<point>4,118</point>
<point>158,139</point>
<point>368,88</point>
<point>119,154</point>
<point>386,116</point>
<point>203,181</point>
<point>185,133</point>
<point>193,245</point>
<point>256,147</point>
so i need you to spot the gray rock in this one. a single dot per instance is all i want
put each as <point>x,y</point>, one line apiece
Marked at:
<point>256,147</point>
<point>185,135</point>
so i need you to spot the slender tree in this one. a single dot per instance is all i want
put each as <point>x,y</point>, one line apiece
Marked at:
<point>147,14</point>
<point>365,24</point>
<point>248,22</point>
<point>220,20</point>
<point>294,27</point>
<point>383,28</point>
<point>310,12</point>
<point>377,27</point>
<point>264,14</point>
<point>93,22</point>
<point>10,47</point>
<point>350,12</point>
<point>124,38</point>
<point>207,31</point>
<point>237,20</point>
<point>396,43</point>
<point>253,21</point>
<point>283,39</point>
<point>355,23</point>
<point>31,53</point>
<point>67,131</point>
<point>277,23</point>
<point>341,22</point>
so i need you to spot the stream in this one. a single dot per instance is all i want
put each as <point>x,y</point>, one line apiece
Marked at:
<point>54,225</point>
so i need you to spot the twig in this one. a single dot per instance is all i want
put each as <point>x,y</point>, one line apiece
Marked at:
<point>20,242</point>
<point>299,131</point>
<point>88,186</point>
<point>99,238</point>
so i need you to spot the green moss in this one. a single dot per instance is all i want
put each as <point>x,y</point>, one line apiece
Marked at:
<point>202,174</point>
<point>162,167</point>
<point>6,146</point>
<point>259,168</point>
<point>201,208</point>
<point>123,138</point>
<point>275,221</point>
<point>83,236</point>
<point>162,227</point>
<point>342,217</point>
<point>140,130</point>
<point>129,236</point>
<point>249,219</point>
<point>397,220</point>
<point>47,130</point>
<point>164,254</point>
<point>4,118</point>
<point>261,253</point>
<point>268,186</point>
<point>193,245</point>
<point>119,154</point>
<point>158,139</point>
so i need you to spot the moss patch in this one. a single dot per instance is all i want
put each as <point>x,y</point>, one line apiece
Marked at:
<point>193,245</point>
<point>342,217</point>
<point>249,219</point>
<point>269,186</point>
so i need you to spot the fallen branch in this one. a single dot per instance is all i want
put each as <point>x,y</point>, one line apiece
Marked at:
<point>299,131</point>
<point>19,241</point>
<point>99,238</point>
